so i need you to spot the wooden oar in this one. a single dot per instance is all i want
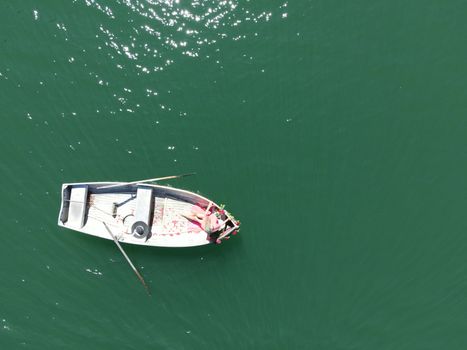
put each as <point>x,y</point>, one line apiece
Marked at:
<point>143,181</point>
<point>127,258</point>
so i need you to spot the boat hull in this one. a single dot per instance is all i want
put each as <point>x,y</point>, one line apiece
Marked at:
<point>149,215</point>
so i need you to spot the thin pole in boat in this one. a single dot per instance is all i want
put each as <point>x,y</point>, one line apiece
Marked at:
<point>127,258</point>
<point>148,180</point>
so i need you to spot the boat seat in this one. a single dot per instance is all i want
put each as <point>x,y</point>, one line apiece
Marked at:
<point>77,209</point>
<point>143,208</point>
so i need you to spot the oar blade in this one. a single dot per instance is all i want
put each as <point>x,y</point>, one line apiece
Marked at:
<point>127,259</point>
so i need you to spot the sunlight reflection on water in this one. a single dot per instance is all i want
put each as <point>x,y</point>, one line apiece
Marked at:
<point>161,27</point>
<point>141,38</point>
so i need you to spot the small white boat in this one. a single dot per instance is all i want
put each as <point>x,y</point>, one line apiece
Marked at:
<point>144,214</point>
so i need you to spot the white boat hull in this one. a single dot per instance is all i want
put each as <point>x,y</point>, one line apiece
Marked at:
<point>86,207</point>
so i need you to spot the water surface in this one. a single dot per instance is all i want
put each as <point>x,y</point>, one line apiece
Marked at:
<point>334,131</point>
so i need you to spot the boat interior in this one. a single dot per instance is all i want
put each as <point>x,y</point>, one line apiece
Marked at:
<point>140,214</point>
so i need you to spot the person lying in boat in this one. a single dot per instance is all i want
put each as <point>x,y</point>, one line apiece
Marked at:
<point>207,220</point>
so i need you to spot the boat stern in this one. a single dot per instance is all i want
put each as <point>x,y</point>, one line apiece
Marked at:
<point>64,205</point>
<point>73,206</point>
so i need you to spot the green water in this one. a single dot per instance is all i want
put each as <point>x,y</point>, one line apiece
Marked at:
<point>335,131</point>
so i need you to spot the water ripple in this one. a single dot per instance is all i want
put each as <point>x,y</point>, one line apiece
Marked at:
<point>160,27</point>
<point>139,39</point>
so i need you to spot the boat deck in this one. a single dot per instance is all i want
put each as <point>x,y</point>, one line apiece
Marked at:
<point>168,228</point>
